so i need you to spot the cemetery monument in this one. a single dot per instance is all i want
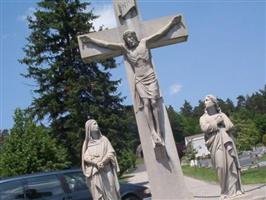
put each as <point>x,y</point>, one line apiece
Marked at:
<point>99,164</point>
<point>216,126</point>
<point>133,39</point>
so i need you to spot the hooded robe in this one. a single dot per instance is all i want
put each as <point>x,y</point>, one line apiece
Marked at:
<point>103,183</point>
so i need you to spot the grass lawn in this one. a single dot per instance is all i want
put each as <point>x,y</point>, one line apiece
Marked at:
<point>263,158</point>
<point>253,176</point>
<point>250,176</point>
<point>206,174</point>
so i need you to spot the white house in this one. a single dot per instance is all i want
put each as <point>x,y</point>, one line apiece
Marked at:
<point>198,143</point>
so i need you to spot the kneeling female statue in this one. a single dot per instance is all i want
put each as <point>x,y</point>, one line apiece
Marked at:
<point>216,126</point>
<point>99,164</point>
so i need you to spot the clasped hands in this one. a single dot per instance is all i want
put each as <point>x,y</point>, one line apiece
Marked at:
<point>219,119</point>
<point>99,165</point>
<point>91,160</point>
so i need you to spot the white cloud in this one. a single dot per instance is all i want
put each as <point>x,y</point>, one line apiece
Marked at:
<point>106,17</point>
<point>27,13</point>
<point>175,88</point>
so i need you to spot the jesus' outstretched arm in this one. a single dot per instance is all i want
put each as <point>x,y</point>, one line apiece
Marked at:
<point>175,20</point>
<point>101,43</point>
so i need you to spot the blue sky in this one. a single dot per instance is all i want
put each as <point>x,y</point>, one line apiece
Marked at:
<point>224,55</point>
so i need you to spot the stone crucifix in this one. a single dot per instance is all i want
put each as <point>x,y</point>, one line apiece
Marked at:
<point>134,39</point>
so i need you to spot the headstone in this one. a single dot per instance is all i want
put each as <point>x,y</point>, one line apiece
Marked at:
<point>159,149</point>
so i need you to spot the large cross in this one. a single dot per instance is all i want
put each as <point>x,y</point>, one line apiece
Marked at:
<point>161,160</point>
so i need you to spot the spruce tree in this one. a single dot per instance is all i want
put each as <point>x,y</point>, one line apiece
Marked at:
<point>68,90</point>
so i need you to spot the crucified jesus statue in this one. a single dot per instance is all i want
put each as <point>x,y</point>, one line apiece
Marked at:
<point>146,92</point>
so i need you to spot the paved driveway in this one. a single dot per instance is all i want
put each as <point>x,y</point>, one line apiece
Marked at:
<point>201,189</point>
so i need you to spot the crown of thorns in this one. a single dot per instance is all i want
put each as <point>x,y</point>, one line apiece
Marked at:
<point>128,32</point>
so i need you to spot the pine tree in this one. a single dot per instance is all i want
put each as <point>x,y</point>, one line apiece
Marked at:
<point>186,110</point>
<point>68,90</point>
<point>176,124</point>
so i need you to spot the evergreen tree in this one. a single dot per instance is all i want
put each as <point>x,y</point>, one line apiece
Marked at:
<point>176,124</point>
<point>256,103</point>
<point>30,148</point>
<point>186,110</point>
<point>241,101</point>
<point>68,90</point>
<point>226,106</point>
<point>190,120</point>
<point>198,110</point>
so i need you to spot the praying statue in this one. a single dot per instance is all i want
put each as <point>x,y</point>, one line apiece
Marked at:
<point>146,91</point>
<point>99,164</point>
<point>219,141</point>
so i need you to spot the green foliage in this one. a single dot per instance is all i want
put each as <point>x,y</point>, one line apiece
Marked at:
<point>191,125</point>
<point>190,119</point>
<point>190,153</point>
<point>69,90</point>
<point>247,134</point>
<point>30,148</point>
<point>186,110</point>
<point>127,160</point>
<point>264,139</point>
<point>248,116</point>
<point>176,124</point>
<point>3,136</point>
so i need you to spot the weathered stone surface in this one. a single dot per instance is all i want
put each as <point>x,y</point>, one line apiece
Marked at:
<point>217,126</point>
<point>99,164</point>
<point>159,149</point>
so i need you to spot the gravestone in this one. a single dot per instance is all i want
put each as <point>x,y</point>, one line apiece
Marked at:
<point>159,149</point>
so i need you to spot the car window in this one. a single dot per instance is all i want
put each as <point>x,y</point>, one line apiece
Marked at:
<point>45,187</point>
<point>76,181</point>
<point>11,190</point>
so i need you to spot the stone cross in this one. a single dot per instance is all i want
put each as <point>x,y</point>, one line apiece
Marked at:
<point>134,38</point>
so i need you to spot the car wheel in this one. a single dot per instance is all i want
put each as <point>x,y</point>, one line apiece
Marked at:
<point>131,197</point>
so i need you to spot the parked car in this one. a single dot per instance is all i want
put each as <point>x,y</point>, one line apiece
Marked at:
<point>60,185</point>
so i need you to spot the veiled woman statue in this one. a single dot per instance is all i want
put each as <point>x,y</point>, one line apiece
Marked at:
<point>99,164</point>
<point>146,91</point>
<point>216,126</point>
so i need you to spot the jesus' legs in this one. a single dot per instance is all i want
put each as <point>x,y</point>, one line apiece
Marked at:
<point>155,110</point>
<point>149,118</point>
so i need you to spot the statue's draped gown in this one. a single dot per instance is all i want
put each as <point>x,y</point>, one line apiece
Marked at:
<point>103,183</point>
<point>223,152</point>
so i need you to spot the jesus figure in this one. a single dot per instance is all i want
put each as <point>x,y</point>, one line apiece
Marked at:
<point>146,91</point>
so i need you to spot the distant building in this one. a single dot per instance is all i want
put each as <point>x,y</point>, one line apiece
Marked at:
<point>198,143</point>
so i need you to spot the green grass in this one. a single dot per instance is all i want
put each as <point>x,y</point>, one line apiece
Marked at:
<point>263,158</point>
<point>253,176</point>
<point>250,176</point>
<point>141,161</point>
<point>206,174</point>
